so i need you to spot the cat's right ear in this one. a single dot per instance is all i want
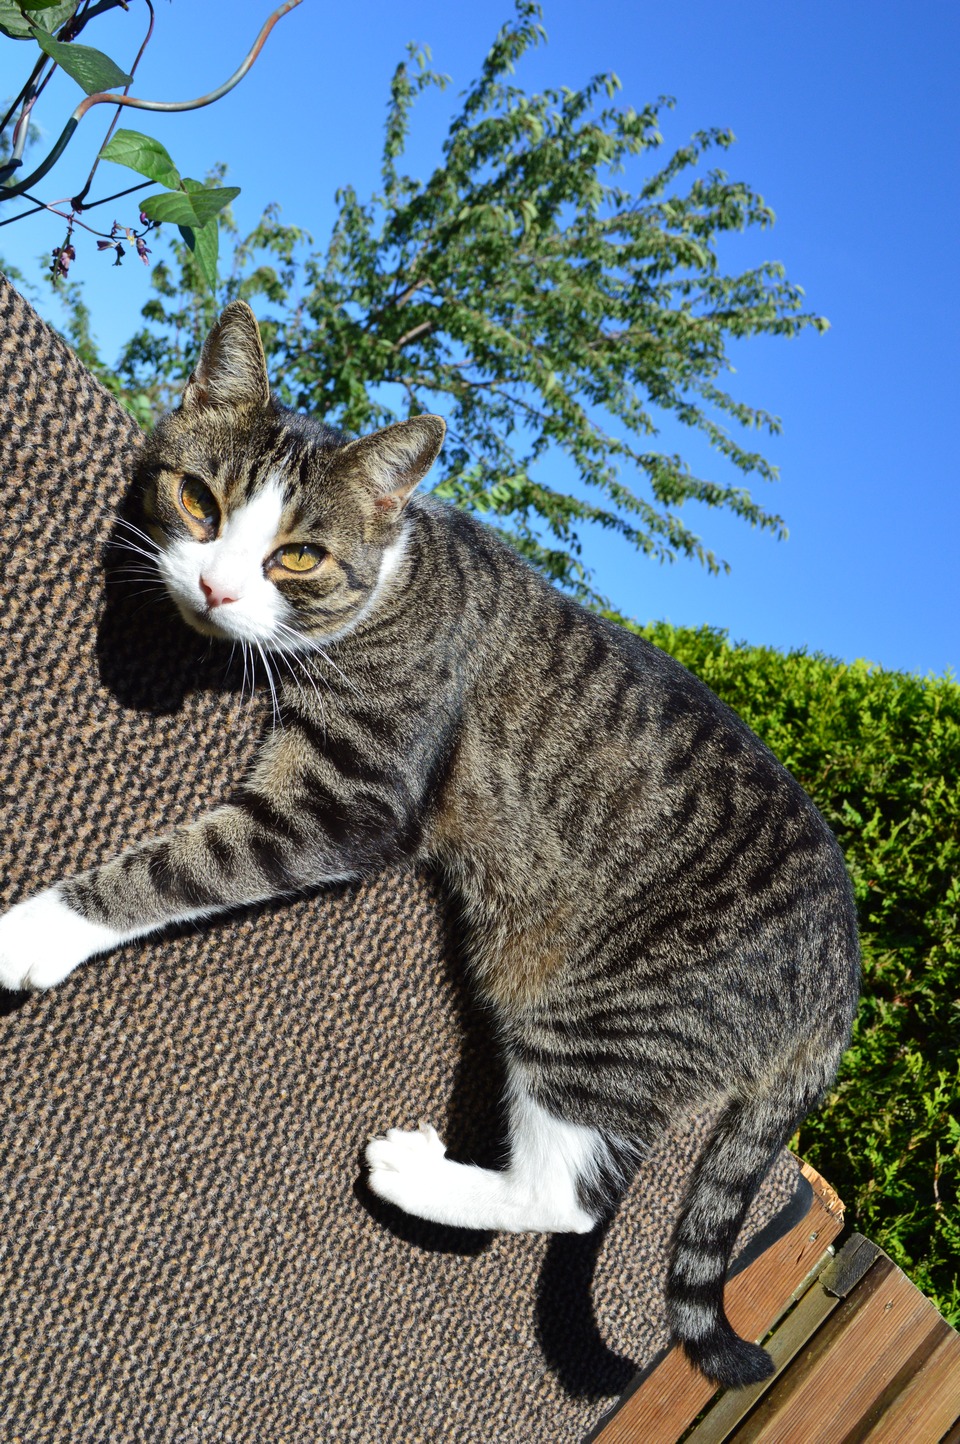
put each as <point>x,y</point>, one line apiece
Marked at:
<point>389,464</point>
<point>232,370</point>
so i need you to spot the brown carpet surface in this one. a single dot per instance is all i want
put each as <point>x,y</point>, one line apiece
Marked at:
<point>187,1250</point>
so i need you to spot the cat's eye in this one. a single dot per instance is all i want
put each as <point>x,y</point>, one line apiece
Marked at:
<point>299,557</point>
<point>199,502</point>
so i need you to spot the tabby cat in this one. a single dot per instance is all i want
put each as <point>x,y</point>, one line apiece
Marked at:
<point>656,914</point>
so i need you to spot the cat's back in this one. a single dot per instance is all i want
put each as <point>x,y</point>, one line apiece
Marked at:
<point>544,671</point>
<point>584,739</point>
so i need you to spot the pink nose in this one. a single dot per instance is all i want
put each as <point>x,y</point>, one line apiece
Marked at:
<point>216,596</point>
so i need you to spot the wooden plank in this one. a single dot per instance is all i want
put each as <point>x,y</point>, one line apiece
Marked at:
<point>848,1365</point>
<point>667,1400</point>
<point>929,1400</point>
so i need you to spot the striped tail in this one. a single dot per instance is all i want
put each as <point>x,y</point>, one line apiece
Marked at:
<point>730,1170</point>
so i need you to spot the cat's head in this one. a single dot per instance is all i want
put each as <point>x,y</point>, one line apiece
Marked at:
<point>273,528</point>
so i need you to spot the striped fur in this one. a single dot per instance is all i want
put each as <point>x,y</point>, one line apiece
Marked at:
<point>654,911</point>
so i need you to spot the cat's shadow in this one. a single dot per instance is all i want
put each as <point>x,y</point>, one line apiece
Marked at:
<point>146,657</point>
<point>476,1132</point>
<point>151,662</point>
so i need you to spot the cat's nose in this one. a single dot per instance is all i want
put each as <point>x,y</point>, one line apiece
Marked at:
<point>216,596</point>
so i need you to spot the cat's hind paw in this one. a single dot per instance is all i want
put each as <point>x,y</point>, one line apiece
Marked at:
<point>404,1167</point>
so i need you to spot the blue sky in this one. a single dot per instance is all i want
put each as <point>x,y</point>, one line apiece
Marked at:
<point>846,117</point>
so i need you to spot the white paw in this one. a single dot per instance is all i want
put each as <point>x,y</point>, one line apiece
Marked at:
<point>405,1167</point>
<point>42,940</point>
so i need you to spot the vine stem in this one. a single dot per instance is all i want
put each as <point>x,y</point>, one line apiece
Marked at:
<point>82,194</point>
<point>46,206</point>
<point>71,216</point>
<point>106,97</point>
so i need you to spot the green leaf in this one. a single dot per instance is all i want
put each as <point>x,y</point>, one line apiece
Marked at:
<point>91,69</point>
<point>205,245</point>
<point>143,154</point>
<point>194,209</point>
<point>209,201</point>
<point>14,24</point>
<point>173,206</point>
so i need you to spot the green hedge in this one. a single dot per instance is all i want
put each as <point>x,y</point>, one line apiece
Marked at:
<point>879,752</point>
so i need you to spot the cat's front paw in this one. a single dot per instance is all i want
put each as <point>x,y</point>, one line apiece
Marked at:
<point>405,1167</point>
<point>43,939</point>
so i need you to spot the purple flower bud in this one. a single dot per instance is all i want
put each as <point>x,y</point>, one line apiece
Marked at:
<point>62,256</point>
<point>105,245</point>
<point>144,220</point>
<point>143,250</point>
<point>120,254</point>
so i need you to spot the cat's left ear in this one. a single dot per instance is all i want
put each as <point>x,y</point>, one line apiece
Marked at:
<point>232,370</point>
<point>392,462</point>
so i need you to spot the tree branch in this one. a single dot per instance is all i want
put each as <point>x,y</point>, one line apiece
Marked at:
<point>420,330</point>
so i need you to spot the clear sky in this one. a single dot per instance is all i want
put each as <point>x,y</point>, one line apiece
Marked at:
<point>846,117</point>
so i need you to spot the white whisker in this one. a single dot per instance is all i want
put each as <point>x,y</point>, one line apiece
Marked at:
<point>290,659</point>
<point>277,717</point>
<point>129,546</point>
<point>155,591</point>
<point>137,531</point>
<point>314,648</point>
<point>133,571</point>
<point>339,670</point>
<point>252,678</point>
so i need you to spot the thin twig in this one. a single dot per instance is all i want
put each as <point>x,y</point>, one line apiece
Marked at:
<point>105,200</point>
<point>30,80</point>
<point>420,330</point>
<point>23,214</point>
<point>69,216</point>
<point>22,128</point>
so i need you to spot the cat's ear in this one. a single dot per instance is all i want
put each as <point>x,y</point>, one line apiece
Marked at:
<point>392,462</point>
<point>232,370</point>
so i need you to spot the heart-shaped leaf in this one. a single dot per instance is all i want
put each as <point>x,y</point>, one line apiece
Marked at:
<point>209,201</point>
<point>194,209</point>
<point>173,206</point>
<point>143,154</point>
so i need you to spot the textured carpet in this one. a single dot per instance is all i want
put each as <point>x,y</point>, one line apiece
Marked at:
<point>187,1250</point>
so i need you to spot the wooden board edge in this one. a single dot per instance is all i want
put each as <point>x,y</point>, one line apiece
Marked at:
<point>825,1191</point>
